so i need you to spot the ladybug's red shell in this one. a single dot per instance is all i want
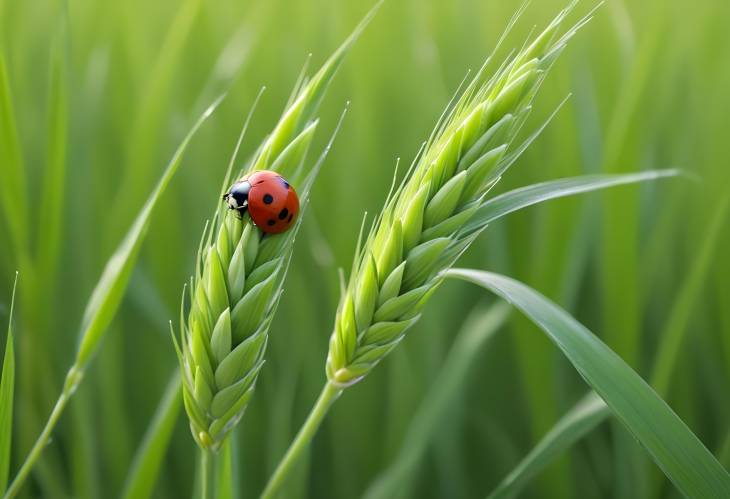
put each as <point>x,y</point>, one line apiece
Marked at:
<point>272,202</point>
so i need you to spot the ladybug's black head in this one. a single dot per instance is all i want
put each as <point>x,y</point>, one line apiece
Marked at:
<point>237,197</point>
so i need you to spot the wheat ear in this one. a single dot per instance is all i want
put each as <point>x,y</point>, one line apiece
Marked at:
<point>423,228</point>
<point>240,272</point>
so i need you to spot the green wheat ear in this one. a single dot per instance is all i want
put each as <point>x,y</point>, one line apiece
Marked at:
<point>422,228</point>
<point>240,273</point>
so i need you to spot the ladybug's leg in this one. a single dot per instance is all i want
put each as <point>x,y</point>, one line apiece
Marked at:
<point>241,211</point>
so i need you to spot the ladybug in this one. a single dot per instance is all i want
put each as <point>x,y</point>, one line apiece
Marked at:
<point>270,200</point>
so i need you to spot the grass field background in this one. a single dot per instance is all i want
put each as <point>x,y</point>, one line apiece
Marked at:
<point>103,91</point>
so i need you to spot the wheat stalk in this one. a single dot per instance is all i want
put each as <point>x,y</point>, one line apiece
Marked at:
<point>420,231</point>
<point>240,273</point>
<point>423,229</point>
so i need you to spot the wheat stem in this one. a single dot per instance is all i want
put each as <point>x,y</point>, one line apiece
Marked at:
<point>423,228</point>
<point>329,394</point>
<point>207,474</point>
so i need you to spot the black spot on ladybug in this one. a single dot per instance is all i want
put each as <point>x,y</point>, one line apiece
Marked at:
<point>268,199</point>
<point>271,222</point>
<point>283,214</point>
<point>290,217</point>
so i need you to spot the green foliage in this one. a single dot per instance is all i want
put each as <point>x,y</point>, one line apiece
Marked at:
<point>579,421</point>
<point>50,225</point>
<point>509,202</point>
<point>479,328</point>
<point>11,167</point>
<point>677,321</point>
<point>103,304</point>
<point>107,294</point>
<point>636,264</point>
<point>7,389</point>
<point>672,445</point>
<point>148,460</point>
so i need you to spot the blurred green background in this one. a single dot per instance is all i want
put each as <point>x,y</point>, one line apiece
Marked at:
<point>649,83</point>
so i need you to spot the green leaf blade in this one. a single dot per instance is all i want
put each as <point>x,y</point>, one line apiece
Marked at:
<point>108,293</point>
<point>588,413</point>
<point>515,200</point>
<point>680,315</point>
<point>671,444</point>
<point>51,222</point>
<point>7,389</point>
<point>145,468</point>
<point>14,202</point>
<point>471,341</point>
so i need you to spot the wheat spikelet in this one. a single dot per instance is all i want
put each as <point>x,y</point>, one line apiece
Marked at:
<point>421,230</point>
<point>240,272</point>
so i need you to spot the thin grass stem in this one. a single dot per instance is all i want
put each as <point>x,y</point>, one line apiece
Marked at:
<point>72,382</point>
<point>329,394</point>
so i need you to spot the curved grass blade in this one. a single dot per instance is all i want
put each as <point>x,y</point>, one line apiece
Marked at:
<point>515,200</point>
<point>13,185</point>
<point>675,328</point>
<point>591,410</point>
<point>50,225</point>
<point>145,468</point>
<point>7,387</point>
<point>151,112</point>
<point>477,331</point>
<point>677,320</point>
<point>671,444</point>
<point>109,290</point>
<point>588,413</point>
<point>105,301</point>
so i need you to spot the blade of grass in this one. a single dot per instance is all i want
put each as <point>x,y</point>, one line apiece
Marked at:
<point>676,325</point>
<point>105,301</point>
<point>477,331</point>
<point>40,264</point>
<point>583,413</point>
<point>670,443</point>
<point>119,443</point>
<point>151,112</point>
<point>530,195</point>
<point>588,413</point>
<point>7,388</point>
<point>145,468</point>
<point>108,293</point>
<point>13,185</point>
<point>620,240</point>
<point>50,225</point>
<point>675,328</point>
<point>620,231</point>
